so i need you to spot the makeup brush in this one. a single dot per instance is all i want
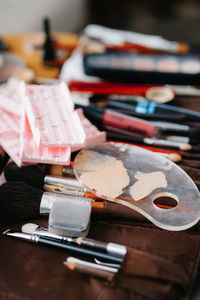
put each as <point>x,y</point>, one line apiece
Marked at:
<point>59,170</point>
<point>3,158</point>
<point>20,201</point>
<point>74,248</point>
<point>31,174</point>
<point>34,176</point>
<point>117,134</point>
<point>111,248</point>
<point>89,268</point>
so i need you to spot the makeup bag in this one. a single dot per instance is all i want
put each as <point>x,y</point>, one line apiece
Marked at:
<point>159,264</point>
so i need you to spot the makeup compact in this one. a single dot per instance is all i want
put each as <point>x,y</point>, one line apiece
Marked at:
<point>141,180</point>
<point>144,68</point>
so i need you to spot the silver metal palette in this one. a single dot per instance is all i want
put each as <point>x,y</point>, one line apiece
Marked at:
<point>180,186</point>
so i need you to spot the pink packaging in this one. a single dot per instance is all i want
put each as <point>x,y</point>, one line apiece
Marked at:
<point>11,95</point>
<point>30,153</point>
<point>52,118</point>
<point>10,135</point>
<point>16,135</point>
<point>10,142</point>
<point>93,135</point>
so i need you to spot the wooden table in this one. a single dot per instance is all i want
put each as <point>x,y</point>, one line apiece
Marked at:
<point>27,47</point>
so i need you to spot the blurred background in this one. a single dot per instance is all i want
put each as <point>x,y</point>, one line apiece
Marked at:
<point>174,19</point>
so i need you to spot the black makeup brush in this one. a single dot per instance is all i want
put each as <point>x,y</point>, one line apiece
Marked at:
<point>33,174</point>
<point>112,248</point>
<point>74,248</point>
<point>3,158</point>
<point>56,184</point>
<point>20,201</point>
<point>116,134</point>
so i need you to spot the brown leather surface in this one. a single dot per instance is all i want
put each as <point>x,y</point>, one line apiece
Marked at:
<point>160,264</point>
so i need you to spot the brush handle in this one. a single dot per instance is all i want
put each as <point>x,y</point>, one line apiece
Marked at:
<point>91,271</point>
<point>111,248</point>
<point>2,159</point>
<point>81,250</point>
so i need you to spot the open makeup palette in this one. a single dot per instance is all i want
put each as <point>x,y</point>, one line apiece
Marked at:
<point>141,180</point>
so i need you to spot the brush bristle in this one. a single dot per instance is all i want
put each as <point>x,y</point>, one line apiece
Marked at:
<point>29,174</point>
<point>29,228</point>
<point>19,201</point>
<point>194,133</point>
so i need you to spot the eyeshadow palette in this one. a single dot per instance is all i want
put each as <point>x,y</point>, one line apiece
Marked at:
<point>144,68</point>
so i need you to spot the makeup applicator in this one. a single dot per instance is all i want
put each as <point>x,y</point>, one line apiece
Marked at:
<point>31,174</point>
<point>74,248</point>
<point>34,176</point>
<point>20,201</point>
<point>3,158</point>
<point>113,248</point>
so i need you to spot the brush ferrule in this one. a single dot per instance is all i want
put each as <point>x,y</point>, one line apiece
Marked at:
<point>24,236</point>
<point>65,190</point>
<point>48,199</point>
<point>45,233</point>
<point>46,203</point>
<point>116,249</point>
<point>68,172</point>
<point>161,142</point>
<point>62,182</point>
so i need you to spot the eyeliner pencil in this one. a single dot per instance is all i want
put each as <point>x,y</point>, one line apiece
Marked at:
<point>74,248</point>
<point>89,268</point>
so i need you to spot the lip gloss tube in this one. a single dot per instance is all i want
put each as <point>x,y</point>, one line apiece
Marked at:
<point>119,120</point>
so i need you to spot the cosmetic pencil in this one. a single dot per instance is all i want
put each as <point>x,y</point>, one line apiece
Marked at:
<point>101,271</point>
<point>112,248</point>
<point>74,248</point>
<point>117,134</point>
